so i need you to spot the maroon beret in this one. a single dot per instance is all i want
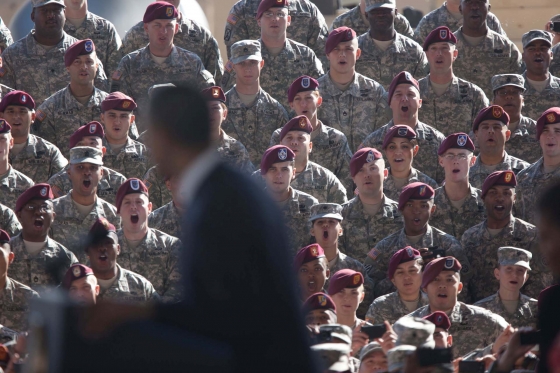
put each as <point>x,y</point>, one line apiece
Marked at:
<point>361,157</point>
<point>345,278</point>
<point>267,4</point>
<point>302,84</point>
<point>214,93</point>
<point>307,254</point>
<point>118,101</point>
<point>441,34</point>
<point>404,77</point>
<point>299,123</point>
<point>18,98</point>
<point>276,154</point>
<point>415,190</point>
<point>100,229</point>
<point>132,185</point>
<point>318,301</point>
<point>79,48</point>
<point>458,140</point>
<point>499,178</point>
<point>37,191</point>
<point>493,112</point>
<point>4,236</point>
<point>75,272</point>
<point>436,266</point>
<point>90,129</point>
<point>160,10</point>
<point>407,254</point>
<point>550,116</point>
<point>439,319</point>
<point>400,130</point>
<point>337,36</point>
<point>5,126</point>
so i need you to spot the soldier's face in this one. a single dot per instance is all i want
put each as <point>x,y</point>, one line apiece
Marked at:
<point>405,103</point>
<point>499,202</point>
<point>400,152</point>
<point>217,115</point>
<point>6,258</point>
<point>84,290</point>
<point>537,56</point>
<point>550,140</point>
<point>442,338</point>
<point>312,277</point>
<point>82,71</point>
<point>36,218</point>
<point>161,32</point>
<point>369,178</point>
<point>510,99</point>
<point>248,71</point>
<point>84,178</point>
<point>274,22</point>
<point>6,143</point>
<point>343,57</point>
<point>381,19</point>
<point>416,214</point>
<point>374,362</point>
<point>20,118</point>
<point>441,56</point>
<point>474,12</point>
<point>320,317</point>
<point>492,136</point>
<point>300,143</point>
<point>326,231</point>
<point>347,300</point>
<point>279,176</point>
<point>305,103</point>
<point>408,278</point>
<point>103,256</point>
<point>91,141</point>
<point>49,19</point>
<point>134,211</point>
<point>443,291</point>
<point>117,123</point>
<point>511,278</point>
<point>456,164</point>
<point>549,242</point>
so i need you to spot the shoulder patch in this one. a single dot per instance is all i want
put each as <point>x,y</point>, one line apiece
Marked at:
<point>232,19</point>
<point>229,66</point>
<point>374,253</point>
<point>116,75</point>
<point>147,184</point>
<point>56,191</point>
<point>40,115</point>
<point>2,72</point>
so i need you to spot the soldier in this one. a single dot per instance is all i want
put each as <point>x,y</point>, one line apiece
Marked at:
<point>508,93</point>
<point>542,89</point>
<point>370,215</point>
<point>277,170</point>
<point>35,64</point>
<point>449,103</point>
<point>82,24</point>
<point>416,205</point>
<point>535,178</point>
<point>123,154</point>
<point>346,288</point>
<point>384,51</point>
<point>190,35</point>
<point>319,309</point>
<point>156,181</point>
<point>252,113</point>
<point>169,217</point>
<point>312,270</point>
<point>512,273</point>
<point>144,250</point>
<point>307,24</point>
<point>12,182</point>
<point>555,63</point>
<point>352,103</point>
<point>91,135</point>
<point>501,228</point>
<point>78,210</point>
<point>483,53</point>
<point>404,100</point>
<point>31,155</point>
<point>472,327</point>
<point>284,59</point>
<point>330,146</point>
<point>9,221</point>
<point>491,130</point>
<point>400,147</point>
<point>405,272</point>
<point>114,281</point>
<point>159,62</point>
<point>40,262</point>
<point>5,36</point>
<point>451,16</point>
<point>441,333</point>
<point>459,205</point>
<point>372,359</point>
<point>81,284</point>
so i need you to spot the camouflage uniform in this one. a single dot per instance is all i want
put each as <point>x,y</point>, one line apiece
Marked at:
<point>354,19</point>
<point>104,36</point>
<point>390,308</point>
<point>442,17</point>
<point>362,232</point>
<point>106,189</point>
<point>482,252</point>
<point>456,221</point>
<point>234,153</point>
<point>523,143</point>
<point>453,111</point>
<point>426,160</point>
<point>320,183</point>
<point>536,103</point>
<point>296,211</point>
<point>393,192</point>
<point>404,54</point>
<point>471,327</point>
<point>525,315</point>
<point>531,182</point>
<point>478,173</point>
<point>155,182</point>
<point>39,159</point>
<point>478,64</point>
<point>71,231</point>
<point>28,67</point>
<point>137,72</point>
<point>279,72</point>
<point>5,36</point>
<point>554,67</point>
<point>12,185</point>
<point>191,36</point>
<point>43,270</point>
<point>166,219</point>
<point>14,303</point>
<point>356,112</point>
<point>157,259</point>
<point>4,89</point>
<point>132,161</point>
<point>9,221</point>
<point>253,125</point>
<point>129,287</point>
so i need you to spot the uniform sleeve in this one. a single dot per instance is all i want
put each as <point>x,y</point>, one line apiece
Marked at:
<point>495,25</point>
<point>58,161</point>
<point>228,79</point>
<point>7,74</point>
<point>480,101</point>
<point>318,36</point>
<point>172,284</point>
<point>101,81</point>
<point>274,139</point>
<point>129,44</point>
<point>316,67</point>
<point>402,26</point>
<point>376,265</point>
<point>120,78</point>
<point>453,248</point>
<point>246,165</point>
<point>337,191</point>
<point>212,59</point>
<point>236,28</point>
<point>11,222</point>
<point>422,67</point>
<point>516,61</point>
<point>114,54</point>
<point>422,30</point>
<point>204,78</point>
<point>343,168</point>
<point>44,125</point>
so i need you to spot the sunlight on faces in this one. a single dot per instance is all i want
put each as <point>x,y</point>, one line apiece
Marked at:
<point>441,56</point>
<point>405,103</point>
<point>443,291</point>
<point>381,19</point>
<point>512,277</point>
<point>272,26</point>
<point>20,118</point>
<point>6,143</point>
<point>320,317</point>
<point>369,179</point>
<point>134,211</point>
<point>537,56</point>
<point>300,143</point>
<point>93,142</point>
<point>347,300</point>
<point>160,32</point>
<point>103,256</point>
<point>550,140</point>
<point>218,113</point>
<point>326,231</point>
<point>374,362</point>
<point>49,20</point>
<point>344,56</point>
<point>400,152</point>
<point>474,13</point>
<point>306,103</point>
<point>247,72</point>
<point>312,276</point>
<point>84,178</point>
<point>279,176</point>
<point>456,164</point>
<point>117,123</point>
<point>492,136</point>
<point>442,338</point>
<point>84,290</point>
<point>408,278</point>
<point>510,99</point>
<point>499,201</point>
<point>83,69</point>
<point>36,218</point>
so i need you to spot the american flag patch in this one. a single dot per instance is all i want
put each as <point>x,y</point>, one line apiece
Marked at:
<point>116,75</point>
<point>229,66</point>
<point>2,71</point>
<point>56,191</point>
<point>40,115</point>
<point>374,253</point>
<point>232,18</point>
<point>147,184</point>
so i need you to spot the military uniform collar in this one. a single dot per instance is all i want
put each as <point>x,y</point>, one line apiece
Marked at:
<point>287,50</point>
<point>383,209</point>
<point>9,175</point>
<point>129,144</point>
<point>97,207</point>
<point>121,282</point>
<point>19,246</point>
<point>540,167</point>
<point>88,22</point>
<point>147,61</point>
<point>398,45</point>
<point>322,137</point>
<point>94,100</point>
<point>353,89</point>
<point>427,239</point>
<point>488,42</point>
<point>507,230</point>
<point>505,159</point>
<point>234,101</point>
<point>455,315</point>
<point>148,240</point>
<point>521,305</point>
<point>521,129</point>
<point>553,83</point>
<point>413,176</point>
<point>427,93</point>
<point>34,48</point>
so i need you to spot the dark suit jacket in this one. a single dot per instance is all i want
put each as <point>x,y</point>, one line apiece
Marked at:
<point>548,323</point>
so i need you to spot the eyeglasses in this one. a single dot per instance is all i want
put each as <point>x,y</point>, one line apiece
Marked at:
<point>509,93</point>
<point>274,15</point>
<point>459,157</point>
<point>41,208</point>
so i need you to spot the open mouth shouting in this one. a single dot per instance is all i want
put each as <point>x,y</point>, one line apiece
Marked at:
<point>499,208</point>
<point>38,223</point>
<point>404,109</point>
<point>134,218</point>
<point>103,257</point>
<point>87,184</point>
<point>312,286</point>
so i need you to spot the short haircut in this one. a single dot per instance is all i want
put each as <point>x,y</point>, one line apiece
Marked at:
<point>548,204</point>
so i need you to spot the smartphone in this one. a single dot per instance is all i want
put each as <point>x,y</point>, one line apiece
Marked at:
<point>374,331</point>
<point>434,356</point>
<point>530,338</point>
<point>556,26</point>
<point>323,337</point>
<point>471,366</point>
<point>437,252</point>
